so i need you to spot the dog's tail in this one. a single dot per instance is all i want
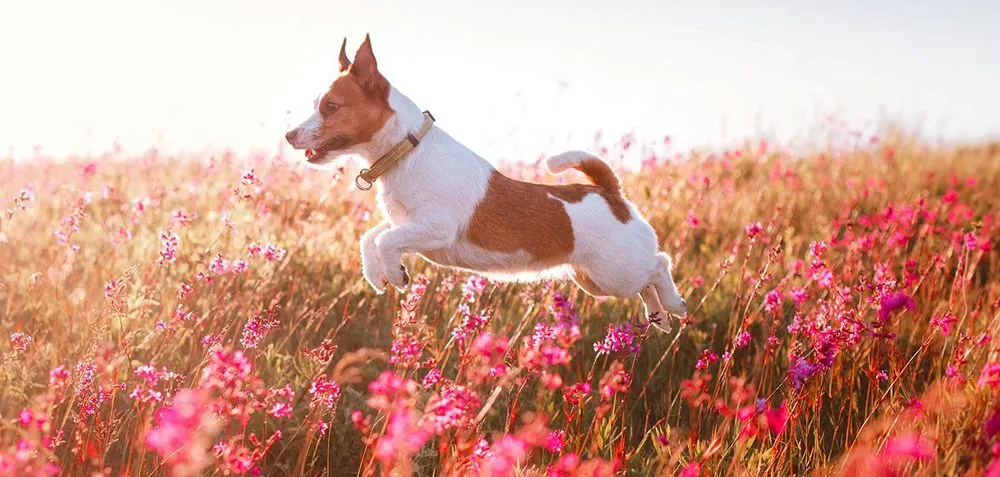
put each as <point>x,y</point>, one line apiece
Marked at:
<point>598,171</point>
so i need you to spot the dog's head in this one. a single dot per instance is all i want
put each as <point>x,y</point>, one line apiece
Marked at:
<point>349,112</point>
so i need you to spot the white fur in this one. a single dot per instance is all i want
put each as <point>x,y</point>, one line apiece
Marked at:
<point>429,196</point>
<point>309,129</point>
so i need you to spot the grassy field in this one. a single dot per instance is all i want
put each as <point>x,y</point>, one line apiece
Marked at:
<point>206,315</point>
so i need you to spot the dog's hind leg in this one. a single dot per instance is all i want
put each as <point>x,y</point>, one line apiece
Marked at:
<point>663,282</point>
<point>586,283</point>
<point>651,302</point>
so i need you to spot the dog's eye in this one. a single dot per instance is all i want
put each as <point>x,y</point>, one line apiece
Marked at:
<point>330,107</point>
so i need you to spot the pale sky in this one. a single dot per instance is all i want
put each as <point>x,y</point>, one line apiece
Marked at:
<point>509,79</point>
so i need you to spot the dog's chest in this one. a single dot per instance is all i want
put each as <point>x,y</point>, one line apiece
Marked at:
<point>392,208</point>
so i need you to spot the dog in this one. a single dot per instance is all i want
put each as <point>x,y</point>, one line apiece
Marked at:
<point>451,207</point>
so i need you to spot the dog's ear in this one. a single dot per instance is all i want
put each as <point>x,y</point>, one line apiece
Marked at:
<point>365,69</point>
<point>344,62</point>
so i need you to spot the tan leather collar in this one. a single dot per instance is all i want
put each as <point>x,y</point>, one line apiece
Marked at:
<point>366,178</point>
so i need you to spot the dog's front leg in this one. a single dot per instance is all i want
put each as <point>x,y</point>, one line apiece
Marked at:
<point>371,266</point>
<point>415,236</point>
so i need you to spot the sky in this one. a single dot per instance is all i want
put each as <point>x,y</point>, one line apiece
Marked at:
<point>509,79</point>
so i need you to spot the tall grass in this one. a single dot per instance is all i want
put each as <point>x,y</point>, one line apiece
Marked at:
<point>205,315</point>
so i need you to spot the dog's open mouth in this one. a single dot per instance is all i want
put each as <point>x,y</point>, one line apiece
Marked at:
<point>318,154</point>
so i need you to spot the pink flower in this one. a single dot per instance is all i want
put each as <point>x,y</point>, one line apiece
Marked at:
<point>909,446</point>
<point>281,410</point>
<point>824,278</point>
<point>389,389</point>
<point>473,287</point>
<point>182,432</point>
<point>405,351</point>
<point>402,438</point>
<point>753,230</point>
<point>620,337</point>
<point>433,377</point>
<point>25,417</point>
<point>249,178</point>
<point>693,221</point>
<point>555,441</point>
<point>19,341</point>
<point>218,265</point>
<point>776,419</point>
<point>615,380</point>
<point>691,470</point>
<point>258,327</point>
<point>772,301</point>
<point>950,196</point>
<point>273,253</point>
<point>110,289</point>
<point>507,453</point>
<point>817,249</point>
<point>990,375</point>
<point>893,303</point>
<point>184,290</point>
<point>325,393</point>
<point>742,340</point>
<point>239,266</point>
<point>801,371</point>
<point>168,251</point>
<point>706,359</point>
<point>454,407</point>
<point>182,218</point>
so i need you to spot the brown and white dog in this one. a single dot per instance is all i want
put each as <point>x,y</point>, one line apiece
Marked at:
<point>451,207</point>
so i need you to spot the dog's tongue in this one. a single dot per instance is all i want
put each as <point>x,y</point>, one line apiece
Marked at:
<point>310,153</point>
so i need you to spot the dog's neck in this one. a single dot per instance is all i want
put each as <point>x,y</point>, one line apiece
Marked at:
<point>408,119</point>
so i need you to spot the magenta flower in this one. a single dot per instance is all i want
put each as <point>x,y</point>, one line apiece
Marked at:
<point>325,393</point>
<point>168,251</point>
<point>620,337</point>
<point>753,230</point>
<point>433,377</point>
<point>273,253</point>
<point>239,266</point>
<point>742,340</point>
<point>909,446</point>
<point>777,419</point>
<point>402,439</point>
<point>182,431</point>
<point>893,303</point>
<point>218,265</point>
<point>706,359</point>
<point>281,410</point>
<point>691,470</point>
<point>990,375</point>
<point>555,441</point>
<point>257,328</point>
<point>801,371</point>
<point>944,323</point>
<point>454,407</point>
<point>405,351</point>
<point>772,301</point>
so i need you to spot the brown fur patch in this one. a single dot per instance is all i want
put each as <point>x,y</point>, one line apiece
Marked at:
<point>605,179</point>
<point>352,113</point>
<point>356,105</point>
<point>520,216</point>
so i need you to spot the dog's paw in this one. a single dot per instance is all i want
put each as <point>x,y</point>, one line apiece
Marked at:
<point>661,321</point>
<point>677,306</point>
<point>397,276</point>
<point>375,279</point>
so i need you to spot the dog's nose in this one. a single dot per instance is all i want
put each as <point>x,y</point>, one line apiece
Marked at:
<point>290,136</point>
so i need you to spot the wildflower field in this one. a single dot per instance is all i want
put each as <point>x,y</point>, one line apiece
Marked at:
<point>206,315</point>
